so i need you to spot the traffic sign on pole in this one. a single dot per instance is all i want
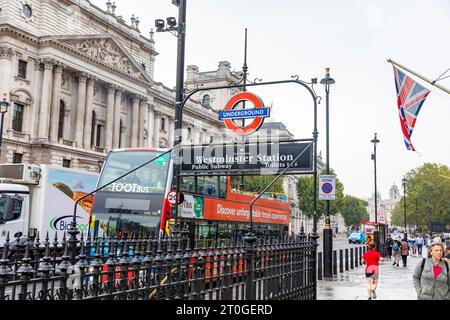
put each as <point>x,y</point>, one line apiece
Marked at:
<point>327,187</point>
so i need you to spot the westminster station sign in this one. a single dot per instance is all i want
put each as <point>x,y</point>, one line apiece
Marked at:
<point>251,158</point>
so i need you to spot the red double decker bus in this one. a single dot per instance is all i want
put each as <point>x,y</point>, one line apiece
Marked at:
<point>133,206</point>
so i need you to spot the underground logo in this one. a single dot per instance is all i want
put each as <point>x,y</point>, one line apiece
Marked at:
<point>65,223</point>
<point>258,114</point>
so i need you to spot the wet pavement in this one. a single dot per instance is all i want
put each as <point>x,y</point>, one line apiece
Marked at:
<point>395,283</point>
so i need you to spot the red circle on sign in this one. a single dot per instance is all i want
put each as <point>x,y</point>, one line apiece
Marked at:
<point>257,121</point>
<point>327,187</point>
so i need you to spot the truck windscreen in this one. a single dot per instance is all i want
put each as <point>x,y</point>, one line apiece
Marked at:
<point>151,178</point>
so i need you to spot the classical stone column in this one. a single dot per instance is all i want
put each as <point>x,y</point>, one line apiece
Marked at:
<point>44,115</point>
<point>56,102</point>
<point>143,109</point>
<point>6,55</point>
<point>109,117</point>
<point>151,126</point>
<point>81,107</point>
<point>37,80</point>
<point>157,127</point>
<point>88,116</point>
<point>171,136</point>
<point>197,135</point>
<point>116,128</point>
<point>135,122</point>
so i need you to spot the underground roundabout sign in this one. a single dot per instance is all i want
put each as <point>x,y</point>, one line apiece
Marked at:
<point>258,113</point>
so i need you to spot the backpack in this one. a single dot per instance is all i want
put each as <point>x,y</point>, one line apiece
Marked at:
<point>425,259</point>
<point>395,246</point>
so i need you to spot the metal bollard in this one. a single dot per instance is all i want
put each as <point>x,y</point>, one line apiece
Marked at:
<point>319,266</point>
<point>346,259</point>
<point>351,258</point>
<point>334,262</point>
<point>341,261</point>
<point>356,258</point>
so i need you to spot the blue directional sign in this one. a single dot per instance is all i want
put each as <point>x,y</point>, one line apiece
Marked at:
<point>244,113</point>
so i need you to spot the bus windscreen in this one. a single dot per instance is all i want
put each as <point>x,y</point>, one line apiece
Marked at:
<point>151,178</point>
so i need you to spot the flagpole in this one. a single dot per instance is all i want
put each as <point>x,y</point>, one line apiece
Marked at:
<point>420,76</point>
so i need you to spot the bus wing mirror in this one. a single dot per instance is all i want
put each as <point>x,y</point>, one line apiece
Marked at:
<point>180,198</point>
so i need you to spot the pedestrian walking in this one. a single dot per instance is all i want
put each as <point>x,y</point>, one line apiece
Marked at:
<point>404,251</point>
<point>396,252</point>
<point>389,242</point>
<point>371,258</point>
<point>431,277</point>
<point>412,246</point>
<point>419,244</point>
<point>428,241</point>
<point>447,254</point>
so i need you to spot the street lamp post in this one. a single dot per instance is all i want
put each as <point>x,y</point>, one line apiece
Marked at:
<point>3,109</point>
<point>429,216</point>
<point>404,205</point>
<point>417,213</point>
<point>179,98</point>
<point>376,234</point>
<point>328,231</point>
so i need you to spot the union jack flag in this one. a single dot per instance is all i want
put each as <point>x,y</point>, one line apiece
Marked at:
<point>410,98</point>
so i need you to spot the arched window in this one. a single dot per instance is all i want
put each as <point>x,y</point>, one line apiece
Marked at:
<point>62,109</point>
<point>26,11</point>
<point>206,102</point>
<point>93,128</point>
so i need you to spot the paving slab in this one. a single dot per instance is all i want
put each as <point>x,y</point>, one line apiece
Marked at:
<point>395,283</point>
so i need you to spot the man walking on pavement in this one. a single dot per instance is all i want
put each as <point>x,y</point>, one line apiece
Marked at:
<point>396,251</point>
<point>419,243</point>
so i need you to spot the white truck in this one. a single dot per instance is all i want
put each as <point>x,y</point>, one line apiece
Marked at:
<point>41,198</point>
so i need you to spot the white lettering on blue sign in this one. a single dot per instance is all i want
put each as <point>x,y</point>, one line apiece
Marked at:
<point>245,113</point>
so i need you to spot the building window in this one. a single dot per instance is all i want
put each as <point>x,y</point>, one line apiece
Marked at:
<point>121,134</point>
<point>163,124</point>
<point>62,109</point>
<point>17,157</point>
<point>144,66</point>
<point>211,139</point>
<point>66,163</point>
<point>17,117</point>
<point>99,136</point>
<point>189,133</point>
<point>26,11</point>
<point>22,69</point>
<point>93,128</point>
<point>206,102</point>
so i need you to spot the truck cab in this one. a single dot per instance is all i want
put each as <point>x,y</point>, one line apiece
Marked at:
<point>14,208</point>
<point>41,198</point>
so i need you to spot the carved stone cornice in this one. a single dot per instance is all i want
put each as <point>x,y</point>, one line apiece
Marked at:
<point>6,53</point>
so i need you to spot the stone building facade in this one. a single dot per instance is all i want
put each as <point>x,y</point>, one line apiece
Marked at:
<point>384,207</point>
<point>80,81</point>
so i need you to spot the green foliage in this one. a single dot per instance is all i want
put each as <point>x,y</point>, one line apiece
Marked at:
<point>258,183</point>
<point>305,193</point>
<point>354,210</point>
<point>431,186</point>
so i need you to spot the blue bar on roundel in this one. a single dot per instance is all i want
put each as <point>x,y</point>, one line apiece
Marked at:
<point>244,113</point>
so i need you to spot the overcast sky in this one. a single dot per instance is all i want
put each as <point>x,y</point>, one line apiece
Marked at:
<point>352,37</point>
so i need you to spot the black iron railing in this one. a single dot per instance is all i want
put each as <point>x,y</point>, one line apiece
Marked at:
<point>155,269</point>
